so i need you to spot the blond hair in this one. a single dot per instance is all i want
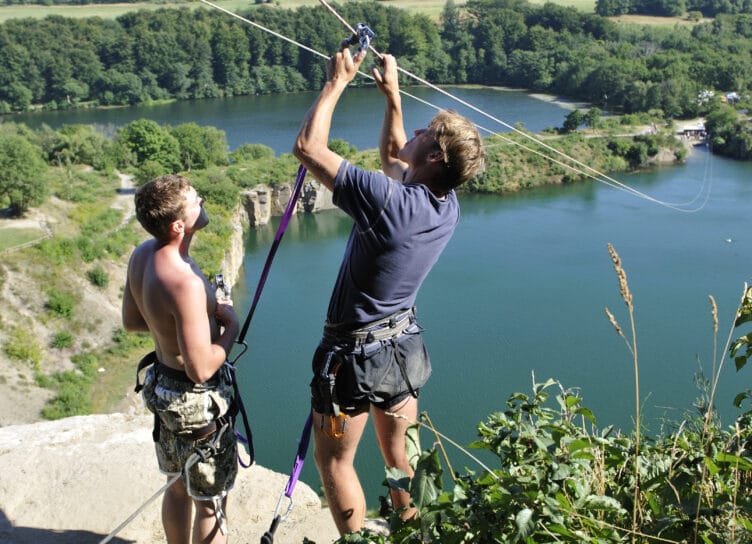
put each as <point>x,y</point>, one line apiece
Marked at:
<point>461,144</point>
<point>160,202</point>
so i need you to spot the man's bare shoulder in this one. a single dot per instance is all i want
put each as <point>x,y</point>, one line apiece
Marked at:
<point>181,279</point>
<point>143,250</point>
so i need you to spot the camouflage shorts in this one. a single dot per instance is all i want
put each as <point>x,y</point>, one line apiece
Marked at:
<point>184,407</point>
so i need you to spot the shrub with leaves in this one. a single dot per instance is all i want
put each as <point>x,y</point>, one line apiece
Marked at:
<point>62,339</point>
<point>98,276</point>
<point>557,481</point>
<point>60,303</point>
<point>21,344</point>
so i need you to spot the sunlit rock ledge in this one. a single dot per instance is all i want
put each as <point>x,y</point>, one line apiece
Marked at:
<point>77,479</point>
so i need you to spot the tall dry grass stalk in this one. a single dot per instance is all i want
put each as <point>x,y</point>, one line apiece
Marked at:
<point>709,410</point>
<point>626,295</point>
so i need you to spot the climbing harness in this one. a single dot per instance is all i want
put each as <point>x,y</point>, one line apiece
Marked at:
<point>204,453</point>
<point>218,425</point>
<point>297,467</point>
<point>365,340</point>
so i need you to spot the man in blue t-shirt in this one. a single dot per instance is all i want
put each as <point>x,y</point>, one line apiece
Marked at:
<point>371,358</point>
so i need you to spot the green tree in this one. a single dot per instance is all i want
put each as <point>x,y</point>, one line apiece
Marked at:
<point>18,95</point>
<point>150,142</point>
<point>21,167</point>
<point>593,117</point>
<point>78,144</point>
<point>610,8</point>
<point>200,147</point>
<point>573,121</point>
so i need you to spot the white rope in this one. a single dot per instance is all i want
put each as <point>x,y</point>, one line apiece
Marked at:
<point>596,175</point>
<point>260,27</point>
<point>588,172</point>
<point>192,460</point>
<point>445,437</point>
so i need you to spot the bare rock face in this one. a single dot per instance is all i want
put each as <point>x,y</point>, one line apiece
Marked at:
<point>262,203</point>
<point>77,479</point>
<point>315,197</point>
<point>257,206</point>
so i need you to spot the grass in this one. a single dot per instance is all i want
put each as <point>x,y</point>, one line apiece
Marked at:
<point>106,11</point>
<point>14,237</point>
<point>647,20</point>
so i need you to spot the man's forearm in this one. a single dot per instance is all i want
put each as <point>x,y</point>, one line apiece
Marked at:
<point>392,137</point>
<point>318,120</point>
<point>311,144</point>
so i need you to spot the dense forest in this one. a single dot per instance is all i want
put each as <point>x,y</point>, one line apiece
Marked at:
<point>178,53</point>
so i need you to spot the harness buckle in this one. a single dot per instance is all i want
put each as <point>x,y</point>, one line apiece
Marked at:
<point>337,425</point>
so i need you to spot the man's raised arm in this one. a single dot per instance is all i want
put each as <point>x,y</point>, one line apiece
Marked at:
<point>393,136</point>
<point>311,144</point>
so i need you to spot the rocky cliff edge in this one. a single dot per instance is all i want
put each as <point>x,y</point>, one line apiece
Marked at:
<point>75,480</point>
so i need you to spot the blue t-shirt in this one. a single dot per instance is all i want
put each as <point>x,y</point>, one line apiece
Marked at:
<point>399,233</point>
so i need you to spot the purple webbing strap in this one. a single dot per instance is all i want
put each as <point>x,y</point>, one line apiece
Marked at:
<point>305,437</point>
<point>273,250</point>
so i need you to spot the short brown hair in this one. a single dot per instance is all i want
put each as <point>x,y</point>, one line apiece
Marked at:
<point>461,144</point>
<point>160,202</point>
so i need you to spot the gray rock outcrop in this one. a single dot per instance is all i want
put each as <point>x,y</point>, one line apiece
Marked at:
<point>77,479</point>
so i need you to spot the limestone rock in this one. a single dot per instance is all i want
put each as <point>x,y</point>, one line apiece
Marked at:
<point>77,479</point>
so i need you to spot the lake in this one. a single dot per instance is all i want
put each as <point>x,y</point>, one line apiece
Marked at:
<point>274,120</point>
<point>519,293</point>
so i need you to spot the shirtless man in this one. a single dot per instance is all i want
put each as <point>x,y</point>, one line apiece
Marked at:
<point>186,386</point>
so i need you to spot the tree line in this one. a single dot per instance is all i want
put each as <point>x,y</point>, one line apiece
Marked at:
<point>141,56</point>
<point>671,8</point>
<point>148,149</point>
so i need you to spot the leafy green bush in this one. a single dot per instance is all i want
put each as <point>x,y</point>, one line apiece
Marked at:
<point>98,276</point>
<point>251,152</point>
<point>58,250</point>
<point>72,386</point>
<point>341,147</point>
<point>216,188</point>
<point>60,303</point>
<point>21,345</point>
<point>554,481</point>
<point>71,398</point>
<point>125,342</point>
<point>62,339</point>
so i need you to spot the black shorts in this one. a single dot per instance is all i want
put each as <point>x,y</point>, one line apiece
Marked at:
<point>369,374</point>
